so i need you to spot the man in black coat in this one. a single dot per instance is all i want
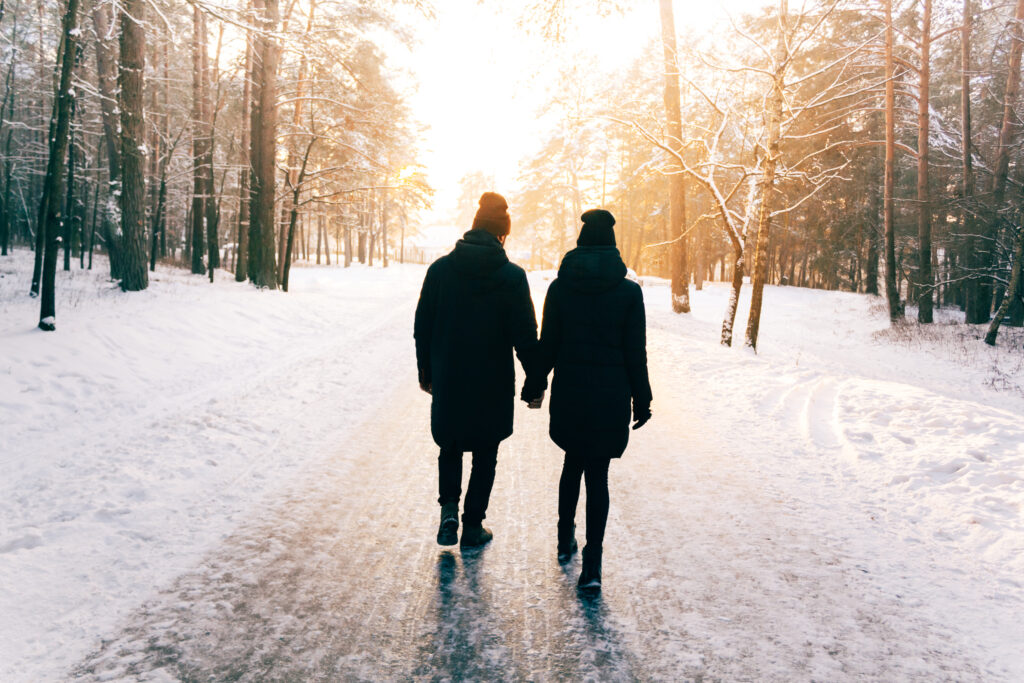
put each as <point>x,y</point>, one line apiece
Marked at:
<point>475,307</point>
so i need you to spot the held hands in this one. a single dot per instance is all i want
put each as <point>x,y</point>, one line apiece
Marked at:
<point>641,414</point>
<point>425,384</point>
<point>533,392</point>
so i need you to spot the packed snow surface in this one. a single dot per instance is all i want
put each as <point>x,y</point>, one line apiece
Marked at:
<point>845,503</point>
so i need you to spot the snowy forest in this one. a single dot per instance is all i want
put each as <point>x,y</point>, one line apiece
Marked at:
<point>219,221</point>
<point>202,136</point>
<point>869,147</point>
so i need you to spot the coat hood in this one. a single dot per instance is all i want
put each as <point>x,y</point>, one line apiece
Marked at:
<point>478,254</point>
<point>592,269</point>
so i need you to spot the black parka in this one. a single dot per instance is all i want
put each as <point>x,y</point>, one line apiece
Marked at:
<point>594,336</point>
<point>475,307</point>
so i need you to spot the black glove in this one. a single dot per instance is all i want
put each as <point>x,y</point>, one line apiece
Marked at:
<point>641,414</point>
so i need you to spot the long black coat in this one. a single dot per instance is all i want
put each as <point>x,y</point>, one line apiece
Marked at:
<point>475,307</point>
<point>594,336</point>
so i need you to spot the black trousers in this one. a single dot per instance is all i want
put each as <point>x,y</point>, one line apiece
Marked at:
<point>481,480</point>
<point>595,471</point>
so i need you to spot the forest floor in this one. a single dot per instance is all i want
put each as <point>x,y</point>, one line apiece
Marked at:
<point>211,482</point>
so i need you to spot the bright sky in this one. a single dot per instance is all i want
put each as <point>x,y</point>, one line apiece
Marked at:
<point>481,80</point>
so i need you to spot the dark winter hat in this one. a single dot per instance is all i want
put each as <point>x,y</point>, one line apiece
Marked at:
<point>492,215</point>
<point>597,229</point>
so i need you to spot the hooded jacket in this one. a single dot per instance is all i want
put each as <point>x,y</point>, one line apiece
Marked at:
<point>594,336</point>
<point>474,309</point>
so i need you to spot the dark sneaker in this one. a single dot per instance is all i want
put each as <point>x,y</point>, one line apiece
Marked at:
<point>448,530</point>
<point>590,576</point>
<point>566,543</point>
<point>475,535</point>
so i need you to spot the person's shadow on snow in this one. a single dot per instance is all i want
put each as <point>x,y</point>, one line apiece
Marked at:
<point>463,629</point>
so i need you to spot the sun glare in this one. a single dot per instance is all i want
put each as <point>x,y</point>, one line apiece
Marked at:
<point>482,79</point>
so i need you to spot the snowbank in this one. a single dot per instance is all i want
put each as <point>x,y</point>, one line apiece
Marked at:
<point>141,431</point>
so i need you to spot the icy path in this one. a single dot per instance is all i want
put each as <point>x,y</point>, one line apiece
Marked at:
<point>713,570</point>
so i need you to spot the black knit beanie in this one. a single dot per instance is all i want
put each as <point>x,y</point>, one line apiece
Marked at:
<point>492,215</point>
<point>597,229</point>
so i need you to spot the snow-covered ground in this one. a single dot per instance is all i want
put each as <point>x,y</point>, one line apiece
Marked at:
<point>150,426</point>
<point>136,436</point>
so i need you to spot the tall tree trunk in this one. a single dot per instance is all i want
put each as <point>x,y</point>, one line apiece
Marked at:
<point>925,277</point>
<point>242,266</point>
<point>262,269</point>
<point>677,183</point>
<point>49,212</point>
<point>5,214</point>
<point>974,311</point>
<point>68,219</point>
<point>764,220</point>
<point>871,270</point>
<point>41,228</point>
<point>134,271</point>
<point>107,74</point>
<point>319,236</point>
<point>384,227</point>
<point>892,289</point>
<point>6,112</point>
<point>199,138</point>
<point>1007,131</point>
<point>167,134</point>
<point>95,215</point>
<point>210,190</point>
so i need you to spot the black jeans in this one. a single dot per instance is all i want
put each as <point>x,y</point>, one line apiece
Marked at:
<point>595,471</point>
<point>481,479</point>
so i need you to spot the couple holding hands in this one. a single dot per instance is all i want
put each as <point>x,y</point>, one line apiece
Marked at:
<point>474,310</point>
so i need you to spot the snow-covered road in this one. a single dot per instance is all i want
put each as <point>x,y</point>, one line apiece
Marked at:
<point>772,522</point>
<point>711,573</point>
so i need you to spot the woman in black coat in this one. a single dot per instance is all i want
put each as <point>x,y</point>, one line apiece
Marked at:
<point>594,336</point>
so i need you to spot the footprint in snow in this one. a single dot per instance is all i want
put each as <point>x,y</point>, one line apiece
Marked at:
<point>26,542</point>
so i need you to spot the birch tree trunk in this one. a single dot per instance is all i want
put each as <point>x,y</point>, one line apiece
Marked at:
<point>1013,289</point>
<point>764,221</point>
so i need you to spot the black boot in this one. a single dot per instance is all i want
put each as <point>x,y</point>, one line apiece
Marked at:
<point>475,535</point>
<point>448,530</point>
<point>590,576</point>
<point>566,542</point>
